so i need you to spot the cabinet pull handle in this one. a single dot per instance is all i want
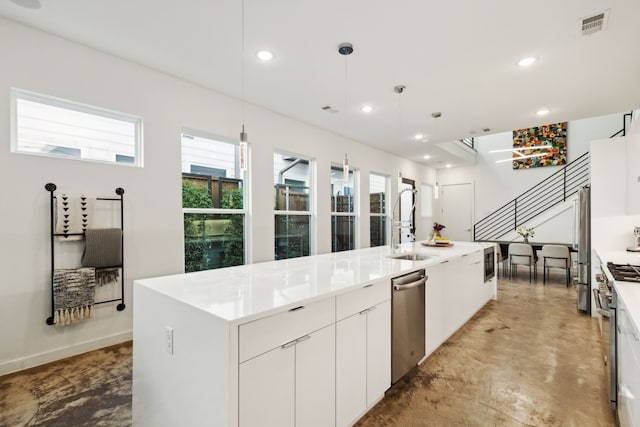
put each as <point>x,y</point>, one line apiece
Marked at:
<point>296,308</point>
<point>304,338</point>
<point>368,286</point>
<point>289,344</point>
<point>366,310</point>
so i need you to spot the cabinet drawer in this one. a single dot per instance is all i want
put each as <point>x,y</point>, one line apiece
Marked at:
<point>262,335</point>
<point>363,298</point>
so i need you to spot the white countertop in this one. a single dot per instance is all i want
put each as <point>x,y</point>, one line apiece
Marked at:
<point>629,292</point>
<point>246,291</point>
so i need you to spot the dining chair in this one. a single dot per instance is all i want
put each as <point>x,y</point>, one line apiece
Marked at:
<point>522,254</point>
<point>555,256</point>
<point>501,259</point>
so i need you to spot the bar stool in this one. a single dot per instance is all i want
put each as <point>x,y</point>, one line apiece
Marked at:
<point>556,256</point>
<point>522,254</point>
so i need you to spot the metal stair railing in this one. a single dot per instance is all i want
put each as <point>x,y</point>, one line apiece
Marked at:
<point>551,191</point>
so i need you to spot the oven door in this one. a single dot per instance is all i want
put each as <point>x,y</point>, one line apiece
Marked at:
<point>489,263</point>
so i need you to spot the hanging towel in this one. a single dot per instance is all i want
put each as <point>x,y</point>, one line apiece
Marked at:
<point>73,295</point>
<point>73,216</point>
<point>103,251</point>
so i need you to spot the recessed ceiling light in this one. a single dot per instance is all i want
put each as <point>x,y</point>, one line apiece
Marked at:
<point>426,157</point>
<point>418,136</point>
<point>448,165</point>
<point>264,55</point>
<point>542,112</point>
<point>366,108</point>
<point>525,62</point>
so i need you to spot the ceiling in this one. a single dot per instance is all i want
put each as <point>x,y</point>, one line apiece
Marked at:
<point>458,58</point>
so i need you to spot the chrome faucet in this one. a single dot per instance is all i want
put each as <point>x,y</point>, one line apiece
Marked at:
<point>396,224</point>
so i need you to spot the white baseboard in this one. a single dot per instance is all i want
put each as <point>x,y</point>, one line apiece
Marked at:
<point>61,353</point>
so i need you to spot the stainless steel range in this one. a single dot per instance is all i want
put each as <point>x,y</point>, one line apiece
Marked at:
<point>624,272</point>
<point>606,302</point>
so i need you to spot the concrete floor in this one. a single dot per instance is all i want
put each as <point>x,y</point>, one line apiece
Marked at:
<point>528,359</point>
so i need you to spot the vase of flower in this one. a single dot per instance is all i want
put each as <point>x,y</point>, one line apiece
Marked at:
<point>526,232</point>
<point>437,228</point>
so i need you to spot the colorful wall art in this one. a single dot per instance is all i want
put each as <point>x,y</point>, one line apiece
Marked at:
<point>552,136</point>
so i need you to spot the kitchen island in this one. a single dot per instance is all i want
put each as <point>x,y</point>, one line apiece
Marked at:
<point>303,341</point>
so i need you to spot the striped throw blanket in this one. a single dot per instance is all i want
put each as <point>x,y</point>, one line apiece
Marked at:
<point>73,295</point>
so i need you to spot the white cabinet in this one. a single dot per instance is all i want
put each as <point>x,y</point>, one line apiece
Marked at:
<point>463,290</point>
<point>454,297</point>
<point>378,351</point>
<point>291,383</point>
<point>351,368</point>
<point>434,308</point>
<point>363,350</point>
<point>633,174</point>
<point>628,369</point>
<point>267,393</point>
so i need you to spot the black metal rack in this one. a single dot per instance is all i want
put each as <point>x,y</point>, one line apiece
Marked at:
<point>51,188</point>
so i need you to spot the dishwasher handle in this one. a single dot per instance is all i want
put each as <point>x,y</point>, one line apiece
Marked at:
<point>410,285</point>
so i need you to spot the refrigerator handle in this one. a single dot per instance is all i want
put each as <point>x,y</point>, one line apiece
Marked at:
<point>576,223</point>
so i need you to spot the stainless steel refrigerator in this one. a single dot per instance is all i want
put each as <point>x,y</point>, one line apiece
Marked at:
<point>584,250</point>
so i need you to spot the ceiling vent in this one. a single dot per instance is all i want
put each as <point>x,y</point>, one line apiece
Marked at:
<point>594,23</point>
<point>329,109</point>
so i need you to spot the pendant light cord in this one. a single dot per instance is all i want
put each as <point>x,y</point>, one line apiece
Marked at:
<point>346,97</point>
<point>243,52</point>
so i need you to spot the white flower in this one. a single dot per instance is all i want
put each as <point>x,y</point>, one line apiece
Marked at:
<point>526,232</point>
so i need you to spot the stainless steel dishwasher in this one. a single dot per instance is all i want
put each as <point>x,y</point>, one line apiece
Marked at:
<point>407,322</point>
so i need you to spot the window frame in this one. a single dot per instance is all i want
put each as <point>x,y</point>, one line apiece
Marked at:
<point>356,205</point>
<point>17,94</point>
<point>312,201</point>
<point>245,211</point>
<point>385,214</point>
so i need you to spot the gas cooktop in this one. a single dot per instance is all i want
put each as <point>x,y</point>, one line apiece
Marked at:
<point>624,272</point>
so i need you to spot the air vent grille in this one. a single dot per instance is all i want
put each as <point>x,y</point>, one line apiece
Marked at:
<point>594,23</point>
<point>329,109</point>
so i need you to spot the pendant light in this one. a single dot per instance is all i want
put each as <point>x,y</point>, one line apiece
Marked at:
<point>345,49</point>
<point>399,89</point>
<point>243,135</point>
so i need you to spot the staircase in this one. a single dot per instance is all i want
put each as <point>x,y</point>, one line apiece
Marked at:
<point>551,191</point>
<point>548,193</point>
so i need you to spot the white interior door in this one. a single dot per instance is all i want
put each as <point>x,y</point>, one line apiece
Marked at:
<point>456,211</point>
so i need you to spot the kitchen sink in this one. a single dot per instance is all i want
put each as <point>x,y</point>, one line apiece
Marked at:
<point>410,257</point>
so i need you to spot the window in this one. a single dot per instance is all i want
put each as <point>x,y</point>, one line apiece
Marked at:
<point>48,126</point>
<point>213,202</point>
<point>378,209</point>
<point>343,210</point>
<point>292,206</point>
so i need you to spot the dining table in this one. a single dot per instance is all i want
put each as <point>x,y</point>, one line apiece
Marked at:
<point>536,246</point>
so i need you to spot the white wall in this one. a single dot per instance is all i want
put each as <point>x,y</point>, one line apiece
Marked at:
<point>49,65</point>
<point>497,183</point>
